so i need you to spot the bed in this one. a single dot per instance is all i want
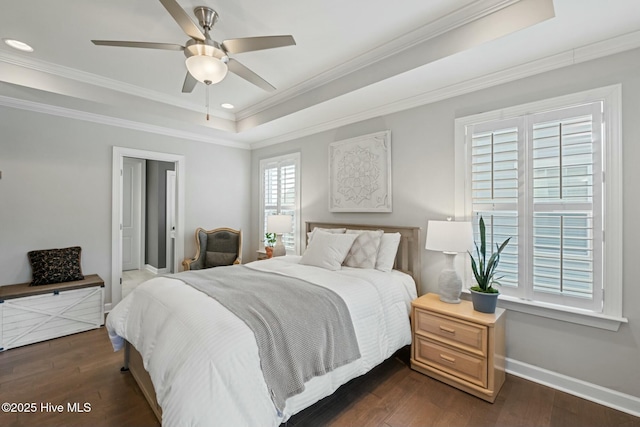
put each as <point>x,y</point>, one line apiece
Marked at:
<point>198,363</point>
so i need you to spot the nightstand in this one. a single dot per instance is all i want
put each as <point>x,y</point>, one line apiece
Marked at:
<point>459,346</point>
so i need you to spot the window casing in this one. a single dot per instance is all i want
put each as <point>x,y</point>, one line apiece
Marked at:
<point>536,173</point>
<point>280,195</point>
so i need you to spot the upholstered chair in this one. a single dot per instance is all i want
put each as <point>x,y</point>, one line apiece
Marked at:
<point>214,248</point>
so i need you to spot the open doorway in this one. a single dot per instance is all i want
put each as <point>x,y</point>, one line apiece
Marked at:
<point>147,215</point>
<point>148,220</point>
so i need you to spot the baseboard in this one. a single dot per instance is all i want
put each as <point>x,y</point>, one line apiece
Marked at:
<point>155,270</point>
<point>595,393</point>
<point>107,307</point>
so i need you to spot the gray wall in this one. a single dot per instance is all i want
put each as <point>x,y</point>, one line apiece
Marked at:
<point>156,213</point>
<point>55,189</point>
<point>423,188</point>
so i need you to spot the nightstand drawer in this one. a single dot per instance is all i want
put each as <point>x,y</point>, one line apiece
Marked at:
<point>466,366</point>
<point>467,336</point>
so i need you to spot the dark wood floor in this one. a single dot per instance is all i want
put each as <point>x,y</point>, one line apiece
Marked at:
<point>83,368</point>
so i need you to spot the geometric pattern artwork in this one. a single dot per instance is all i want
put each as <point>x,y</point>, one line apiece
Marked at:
<point>360,174</point>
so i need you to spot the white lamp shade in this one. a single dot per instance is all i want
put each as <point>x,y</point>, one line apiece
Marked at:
<point>449,236</point>
<point>279,224</point>
<point>206,68</point>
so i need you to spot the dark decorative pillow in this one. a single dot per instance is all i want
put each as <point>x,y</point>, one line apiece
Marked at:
<point>216,259</point>
<point>55,265</point>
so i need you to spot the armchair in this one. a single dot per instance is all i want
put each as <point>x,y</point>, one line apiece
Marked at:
<point>214,248</point>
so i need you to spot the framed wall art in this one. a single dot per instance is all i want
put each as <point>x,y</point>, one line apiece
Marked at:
<point>360,174</point>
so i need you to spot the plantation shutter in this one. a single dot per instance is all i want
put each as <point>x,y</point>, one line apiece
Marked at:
<point>287,195</point>
<point>538,179</point>
<point>281,194</point>
<point>566,191</point>
<point>495,191</point>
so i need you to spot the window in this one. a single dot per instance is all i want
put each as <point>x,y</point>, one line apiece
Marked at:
<point>536,173</point>
<point>280,194</point>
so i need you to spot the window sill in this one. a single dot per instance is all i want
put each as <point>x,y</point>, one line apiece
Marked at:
<point>551,311</point>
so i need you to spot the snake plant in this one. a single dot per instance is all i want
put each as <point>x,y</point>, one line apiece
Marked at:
<point>483,270</point>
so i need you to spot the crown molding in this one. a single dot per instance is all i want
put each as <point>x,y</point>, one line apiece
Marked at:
<point>570,57</point>
<point>406,41</point>
<point>450,21</point>
<point>574,56</point>
<point>104,82</point>
<point>114,121</point>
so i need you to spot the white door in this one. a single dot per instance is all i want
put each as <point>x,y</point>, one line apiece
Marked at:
<point>131,213</point>
<point>171,220</point>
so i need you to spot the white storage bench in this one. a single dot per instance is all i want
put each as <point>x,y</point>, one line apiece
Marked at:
<point>31,314</point>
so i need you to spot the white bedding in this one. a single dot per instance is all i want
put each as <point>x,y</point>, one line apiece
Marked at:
<point>204,361</point>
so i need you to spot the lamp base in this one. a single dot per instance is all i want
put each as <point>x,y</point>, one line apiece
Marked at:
<point>279,249</point>
<point>450,286</point>
<point>449,282</point>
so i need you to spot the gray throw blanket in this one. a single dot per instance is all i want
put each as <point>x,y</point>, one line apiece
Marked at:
<point>302,329</point>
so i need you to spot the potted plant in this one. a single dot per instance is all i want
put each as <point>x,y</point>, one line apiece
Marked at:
<point>484,296</point>
<point>270,241</point>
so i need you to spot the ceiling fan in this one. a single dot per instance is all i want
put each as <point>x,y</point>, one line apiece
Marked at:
<point>207,60</point>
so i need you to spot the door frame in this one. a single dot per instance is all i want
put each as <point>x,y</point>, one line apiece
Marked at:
<point>119,153</point>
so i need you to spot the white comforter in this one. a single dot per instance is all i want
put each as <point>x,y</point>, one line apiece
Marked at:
<point>204,361</point>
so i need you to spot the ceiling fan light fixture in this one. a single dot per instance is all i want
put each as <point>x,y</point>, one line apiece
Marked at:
<point>206,68</point>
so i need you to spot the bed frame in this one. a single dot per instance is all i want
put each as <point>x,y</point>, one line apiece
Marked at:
<point>407,260</point>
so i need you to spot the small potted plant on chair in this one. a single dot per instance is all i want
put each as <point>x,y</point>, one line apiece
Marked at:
<point>484,296</point>
<point>270,241</point>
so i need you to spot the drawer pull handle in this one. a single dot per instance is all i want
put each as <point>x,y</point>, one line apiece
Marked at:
<point>449,330</point>
<point>447,358</point>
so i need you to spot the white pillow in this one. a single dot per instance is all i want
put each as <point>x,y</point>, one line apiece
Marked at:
<point>364,251</point>
<point>387,252</point>
<point>328,230</point>
<point>328,250</point>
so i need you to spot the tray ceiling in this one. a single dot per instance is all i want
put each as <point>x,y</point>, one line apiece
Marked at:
<point>352,60</point>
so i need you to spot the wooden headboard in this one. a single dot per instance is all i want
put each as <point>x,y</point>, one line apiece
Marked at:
<point>408,256</point>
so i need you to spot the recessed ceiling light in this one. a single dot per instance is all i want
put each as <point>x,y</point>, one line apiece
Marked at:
<point>227,106</point>
<point>16,44</point>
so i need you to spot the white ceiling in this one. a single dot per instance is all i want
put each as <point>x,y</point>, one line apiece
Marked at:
<point>353,59</point>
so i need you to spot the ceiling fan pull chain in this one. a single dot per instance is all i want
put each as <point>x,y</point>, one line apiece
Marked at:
<point>208,83</point>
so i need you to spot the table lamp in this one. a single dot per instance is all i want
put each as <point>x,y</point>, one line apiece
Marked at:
<point>279,224</point>
<point>449,237</point>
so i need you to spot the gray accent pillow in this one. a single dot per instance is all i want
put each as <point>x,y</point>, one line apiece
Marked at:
<point>364,251</point>
<point>216,259</point>
<point>220,241</point>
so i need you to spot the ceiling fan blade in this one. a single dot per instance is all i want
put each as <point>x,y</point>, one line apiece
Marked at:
<point>146,45</point>
<point>181,17</point>
<point>242,71</point>
<point>249,44</point>
<point>189,83</point>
